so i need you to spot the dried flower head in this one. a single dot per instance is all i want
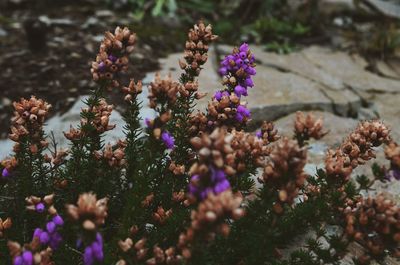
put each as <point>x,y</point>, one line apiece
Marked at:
<point>41,205</point>
<point>392,153</point>
<point>113,156</point>
<point>5,225</point>
<point>208,173</point>
<point>307,127</point>
<point>375,223</point>
<point>355,150</point>
<point>226,110</point>
<point>161,216</point>
<point>268,133</point>
<point>9,166</point>
<point>284,170</point>
<point>90,212</point>
<point>163,91</point>
<point>209,219</point>
<point>29,117</point>
<point>100,122</point>
<point>196,48</point>
<point>132,90</point>
<point>112,58</point>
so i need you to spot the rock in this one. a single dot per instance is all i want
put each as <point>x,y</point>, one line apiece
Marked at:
<point>5,103</point>
<point>388,108</point>
<point>276,94</point>
<point>332,7</point>
<point>387,8</point>
<point>338,127</point>
<point>104,13</point>
<point>3,33</point>
<point>345,102</point>
<point>387,70</point>
<point>346,68</point>
<point>56,21</point>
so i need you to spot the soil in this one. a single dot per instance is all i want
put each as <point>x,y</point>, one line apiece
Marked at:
<point>46,49</point>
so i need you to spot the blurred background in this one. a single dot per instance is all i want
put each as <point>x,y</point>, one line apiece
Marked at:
<point>46,46</point>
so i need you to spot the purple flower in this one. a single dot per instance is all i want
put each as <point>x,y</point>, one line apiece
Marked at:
<point>240,90</point>
<point>148,122</point>
<point>40,207</point>
<point>393,172</point>
<point>18,261</point>
<point>216,182</point>
<point>37,232</point>
<point>44,238</point>
<point>94,252</point>
<point>55,240</point>
<point>259,134</point>
<point>112,58</point>
<point>27,258</point>
<point>102,67</point>
<point>6,173</point>
<point>58,220</point>
<point>168,140</point>
<point>51,227</point>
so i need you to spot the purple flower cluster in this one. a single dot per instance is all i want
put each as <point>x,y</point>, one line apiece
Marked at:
<point>94,252</point>
<point>26,258</point>
<point>216,182</point>
<point>50,236</point>
<point>239,64</point>
<point>168,140</point>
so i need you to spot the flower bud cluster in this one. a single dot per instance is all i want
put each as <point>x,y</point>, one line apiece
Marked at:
<point>100,122</point>
<point>226,109</point>
<point>375,223</point>
<point>132,90</point>
<point>163,91</point>
<point>356,149</point>
<point>29,254</point>
<point>29,117</point>
<point>114,157</point>
<point>249,151</point>
<point>89,211</point>
<point>161,215</point>
<point>208,174</point>
<point>307,127</point>
<point>284,171</point>
<point>209,219</point>
<point>41,205</point>
<point>56,158</point>
<point>8,167</point>
<point>392,153</point>
<point>196,48</point>
<point>112,58</point>
<point>138,252</point>
<point>5,225</point>
<point>268,133</point>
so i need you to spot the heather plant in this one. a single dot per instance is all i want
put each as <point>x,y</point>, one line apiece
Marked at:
<point>191,186</point>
